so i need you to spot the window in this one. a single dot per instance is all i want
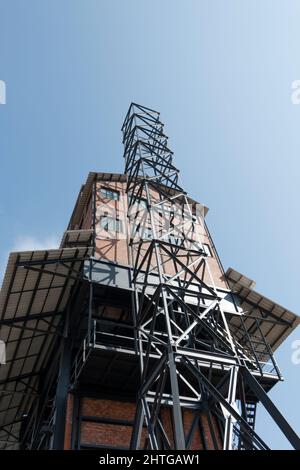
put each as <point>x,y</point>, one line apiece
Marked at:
<point>169,211</point>
<point>207,249</point>
<point>146,233</point>
<point>141,203</point>
<point>110,224</point>
<point>108,193</point>
<point>175,240</point>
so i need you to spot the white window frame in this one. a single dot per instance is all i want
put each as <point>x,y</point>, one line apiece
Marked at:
<point>110,194</point>
<point>207,249</point>
<point>112,224</point>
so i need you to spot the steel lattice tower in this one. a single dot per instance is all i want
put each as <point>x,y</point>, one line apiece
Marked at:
<point>182,332</point>
<point>130,334</point>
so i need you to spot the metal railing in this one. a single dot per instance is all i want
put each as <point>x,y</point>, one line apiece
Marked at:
<point>257,355</point>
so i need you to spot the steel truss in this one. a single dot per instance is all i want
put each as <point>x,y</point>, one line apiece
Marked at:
<point>189,356</point>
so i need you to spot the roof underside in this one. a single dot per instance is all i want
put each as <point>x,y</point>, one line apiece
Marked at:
<point>35,291</point>
<point>276,322</point>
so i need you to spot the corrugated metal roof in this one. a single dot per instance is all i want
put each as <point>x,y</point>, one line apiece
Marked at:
<point>276,322</point>
<point>76,238</point>
<point>35,290</point>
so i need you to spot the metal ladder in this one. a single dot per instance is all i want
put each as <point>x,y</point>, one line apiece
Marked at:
<point>250,418</point>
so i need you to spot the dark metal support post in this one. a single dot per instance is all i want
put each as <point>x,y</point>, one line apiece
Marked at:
<point>137,429</point>
<point>62,388</point>
<point>176,409</point>
<point>271,408</point>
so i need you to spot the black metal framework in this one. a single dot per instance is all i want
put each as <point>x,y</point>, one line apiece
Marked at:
<point>180,348</point>
<point>189,355</point>
<point>35,412</point>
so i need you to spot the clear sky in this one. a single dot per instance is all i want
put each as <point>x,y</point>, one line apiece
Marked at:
<point>220,73</point>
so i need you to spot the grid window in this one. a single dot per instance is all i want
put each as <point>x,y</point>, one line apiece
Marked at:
<point>207,249</point>
<point>110,224</point>
<point>119,227</point>
<point>147,233</point>
<point>141,203</point>
<point>169,211</point>
<point>175,240</point>
<point>111,194</point>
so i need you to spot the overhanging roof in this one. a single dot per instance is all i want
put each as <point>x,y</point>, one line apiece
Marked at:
<point>276,322</point>
<point>35,291</point>
<point>76,238</point>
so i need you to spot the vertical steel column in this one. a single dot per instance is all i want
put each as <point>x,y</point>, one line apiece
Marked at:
<point>228,433</point>
<point>62,387</point>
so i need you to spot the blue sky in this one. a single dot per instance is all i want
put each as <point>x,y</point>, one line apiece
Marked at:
<point>219,72</point>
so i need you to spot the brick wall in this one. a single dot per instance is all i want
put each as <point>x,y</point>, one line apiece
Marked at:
<point>116,426</point>
<point>68,427</point>
<point>114,247</point>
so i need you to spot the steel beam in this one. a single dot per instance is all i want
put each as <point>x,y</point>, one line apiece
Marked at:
<point>279,419</point>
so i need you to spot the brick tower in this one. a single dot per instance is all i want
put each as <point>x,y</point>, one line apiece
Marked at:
<point>131,335</point>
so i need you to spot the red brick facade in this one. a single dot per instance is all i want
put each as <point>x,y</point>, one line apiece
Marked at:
<point>112,433</point>
<point>116,249</point>
<point>108,423</point>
